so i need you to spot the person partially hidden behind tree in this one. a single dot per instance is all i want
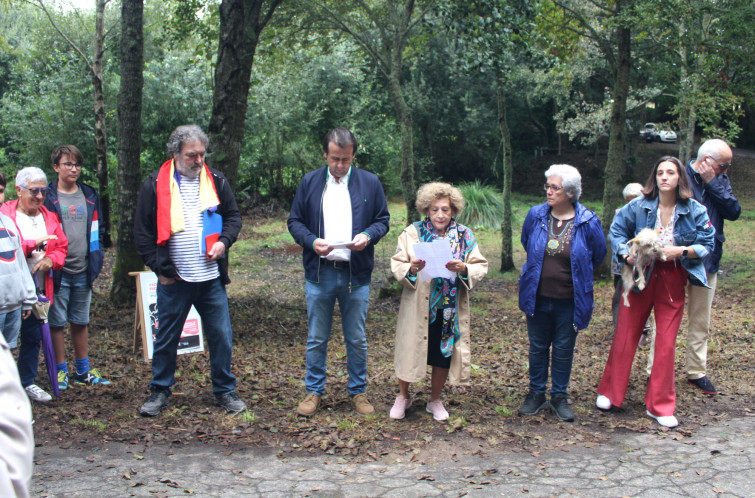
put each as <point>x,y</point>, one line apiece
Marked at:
<point>186,220</point>
<point>78,207</point>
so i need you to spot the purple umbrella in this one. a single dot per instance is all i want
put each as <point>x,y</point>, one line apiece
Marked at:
<point>40,311</point>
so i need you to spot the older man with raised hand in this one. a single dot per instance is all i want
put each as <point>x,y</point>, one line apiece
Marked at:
<point>338,203</point>
<point>711,188</point>
<point>186,219</point>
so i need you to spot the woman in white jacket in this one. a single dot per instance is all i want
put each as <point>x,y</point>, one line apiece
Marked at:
<point>433,320</point>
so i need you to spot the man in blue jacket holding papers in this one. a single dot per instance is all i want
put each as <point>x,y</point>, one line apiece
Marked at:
<point>338,215</point>
<point>186,219</point>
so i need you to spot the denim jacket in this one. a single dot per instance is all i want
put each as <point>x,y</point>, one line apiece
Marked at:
<point>588,248</point>
<point>692,228</point>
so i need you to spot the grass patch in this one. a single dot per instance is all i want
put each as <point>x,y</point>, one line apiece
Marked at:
<point>89,424</point>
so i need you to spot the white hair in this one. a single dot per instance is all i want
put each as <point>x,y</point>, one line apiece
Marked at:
<point>712,148</point>
<point>30,174</point>
<point>571,180</point>
<point>632,190</point>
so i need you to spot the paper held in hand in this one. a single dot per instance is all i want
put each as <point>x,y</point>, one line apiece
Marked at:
<point>435,254</point>
<point>339,245</point>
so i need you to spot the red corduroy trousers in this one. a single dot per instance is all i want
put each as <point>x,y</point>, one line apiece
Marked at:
<point>664,293</point>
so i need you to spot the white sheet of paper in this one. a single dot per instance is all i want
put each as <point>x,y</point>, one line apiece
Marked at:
<point>338,245</point>
<point>435,254</point>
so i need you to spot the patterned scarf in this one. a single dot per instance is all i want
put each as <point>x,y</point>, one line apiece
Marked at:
<point>443,291</point>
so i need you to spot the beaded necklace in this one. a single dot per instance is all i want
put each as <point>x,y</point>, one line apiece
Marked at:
<point>556,240</point>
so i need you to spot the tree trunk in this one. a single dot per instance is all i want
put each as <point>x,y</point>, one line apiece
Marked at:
<point>129,147</point>
<point>100,137</point>
<point>241,22</point>
<point>614,170</point>
<point>507,250</point>
<point>687,117</point>
<point>404,114</point>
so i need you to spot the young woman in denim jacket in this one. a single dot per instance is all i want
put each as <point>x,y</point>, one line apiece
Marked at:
<point>687,236</point>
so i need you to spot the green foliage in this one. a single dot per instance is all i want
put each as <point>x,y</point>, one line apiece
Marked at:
<point>484,206</point>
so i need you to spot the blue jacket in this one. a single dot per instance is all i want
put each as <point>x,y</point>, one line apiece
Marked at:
<point>692,228</point>
<point>369,214</point>
<point>588,248</point>
<point>95,230</point>
<point>719,200</point>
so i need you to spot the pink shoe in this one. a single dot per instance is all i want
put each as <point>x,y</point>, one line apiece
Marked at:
<point>436,408</point>
<point>399,407</point>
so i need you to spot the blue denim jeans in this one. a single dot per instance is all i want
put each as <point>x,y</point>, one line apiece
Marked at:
<point>552,326</point>
<point>28,352</point>
<point>321,299</point>
<point>173,304</point>
<point>72,300</point>
<point>10,324</point>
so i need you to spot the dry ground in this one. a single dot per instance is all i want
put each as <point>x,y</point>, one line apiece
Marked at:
<point>269,317</point>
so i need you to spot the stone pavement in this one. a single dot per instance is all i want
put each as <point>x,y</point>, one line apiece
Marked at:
<point>718,460</point>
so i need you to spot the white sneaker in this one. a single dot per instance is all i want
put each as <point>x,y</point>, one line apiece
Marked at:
<point>399,407</point>
<point>436,408</point>
<point>37,394</point>
<point>603,402</point>
<point>667,421</point>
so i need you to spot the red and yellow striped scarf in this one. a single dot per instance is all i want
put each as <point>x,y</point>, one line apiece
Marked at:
<point>170,215</point>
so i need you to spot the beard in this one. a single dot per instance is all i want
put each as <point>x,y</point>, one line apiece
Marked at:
<point>190,170</point>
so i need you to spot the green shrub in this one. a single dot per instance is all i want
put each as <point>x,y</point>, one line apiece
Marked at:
<point>484,209</point>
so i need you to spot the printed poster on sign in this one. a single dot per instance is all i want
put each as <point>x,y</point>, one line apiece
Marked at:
<point>191,339</point>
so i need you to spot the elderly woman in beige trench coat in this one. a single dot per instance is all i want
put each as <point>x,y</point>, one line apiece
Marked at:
<point>433,321</point>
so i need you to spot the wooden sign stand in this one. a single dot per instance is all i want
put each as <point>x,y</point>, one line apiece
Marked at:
<point>140,327</point>
<point>145,319</point>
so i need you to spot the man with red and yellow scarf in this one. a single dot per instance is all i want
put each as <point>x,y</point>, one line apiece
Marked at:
<point>186,219</point>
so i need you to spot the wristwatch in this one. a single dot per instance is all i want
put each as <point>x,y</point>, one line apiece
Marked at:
<point>685,252</point>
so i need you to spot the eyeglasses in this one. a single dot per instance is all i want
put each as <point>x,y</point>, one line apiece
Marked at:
<point>35,191</point>
<point>724,167</point>
<point>555,188</point>
<point>72,165</point>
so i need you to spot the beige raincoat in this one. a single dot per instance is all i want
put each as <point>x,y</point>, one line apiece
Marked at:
<point>410,357</point>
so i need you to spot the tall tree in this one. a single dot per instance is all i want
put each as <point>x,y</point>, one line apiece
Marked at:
<point>383,31</point>
<point>129,145</point>
<point>241,23</point>
<point>95,68</point>
<point>608,25</point>
<point>495,38</point>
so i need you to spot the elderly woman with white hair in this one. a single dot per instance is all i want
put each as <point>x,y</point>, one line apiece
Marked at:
<point>564,241</point>
<point>45,246</point>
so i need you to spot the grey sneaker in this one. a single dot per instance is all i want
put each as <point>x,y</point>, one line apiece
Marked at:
<point>37,394</point>
<point>157,402</point>
<point>231,402</point>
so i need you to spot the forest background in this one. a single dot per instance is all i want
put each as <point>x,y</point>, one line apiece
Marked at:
<point>478,92</point>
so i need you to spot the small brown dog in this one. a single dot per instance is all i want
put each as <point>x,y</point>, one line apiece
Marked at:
<point>645,249</point>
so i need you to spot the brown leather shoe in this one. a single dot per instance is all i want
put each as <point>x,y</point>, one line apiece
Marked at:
<point>309,405</point>
<point>362,404</point>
